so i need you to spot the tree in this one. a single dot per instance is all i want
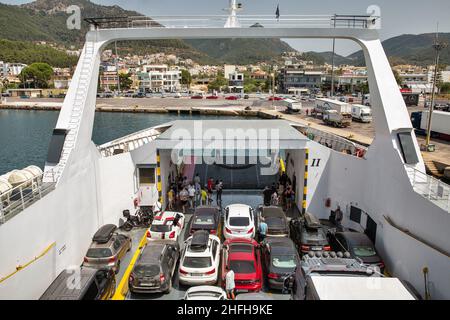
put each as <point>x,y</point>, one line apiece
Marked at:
<point>445,87</point>
<point>39,74</point>
<point>217,83</point>
<point>125,81</point>
<point>397,77</point>
<point>186,78</point>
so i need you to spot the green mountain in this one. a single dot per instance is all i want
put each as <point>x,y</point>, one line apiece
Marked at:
<point>26,52</point>
<point>46,20</point>
<point>241,51</point>
<point>411,49</point>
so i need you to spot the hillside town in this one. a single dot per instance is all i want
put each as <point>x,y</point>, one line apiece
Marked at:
<point>161,73</point>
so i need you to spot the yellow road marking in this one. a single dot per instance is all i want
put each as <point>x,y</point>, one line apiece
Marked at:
<point>122,289</point>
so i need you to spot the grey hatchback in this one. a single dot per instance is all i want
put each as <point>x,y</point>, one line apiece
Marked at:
<point>107,249</point>
<point>153,271</point>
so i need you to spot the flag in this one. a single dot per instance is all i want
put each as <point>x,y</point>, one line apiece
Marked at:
<point>277,13</point>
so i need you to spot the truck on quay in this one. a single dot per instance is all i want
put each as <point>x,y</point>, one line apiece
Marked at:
<point>440,124</point>
<point>292,106</point>
<point>333,112</point>
<point>361,113</point>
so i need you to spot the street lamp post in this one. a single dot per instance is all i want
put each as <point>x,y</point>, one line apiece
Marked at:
<point>438,46</point>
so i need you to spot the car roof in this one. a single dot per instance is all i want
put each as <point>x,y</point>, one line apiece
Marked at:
<point>60,290</point>
<point>202,250</point>
<point>238,210</point>
<point>280,242</point>
<point>356,238</point>
<point>152,252</point>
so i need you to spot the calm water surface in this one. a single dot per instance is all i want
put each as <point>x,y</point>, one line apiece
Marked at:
<point>25,135</point>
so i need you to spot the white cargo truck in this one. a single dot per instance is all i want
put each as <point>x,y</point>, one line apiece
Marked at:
<point>361,113</point>
<point>440,123</point>
<point>336,119</point>
<point>323,104</point>
<point>292,106</point>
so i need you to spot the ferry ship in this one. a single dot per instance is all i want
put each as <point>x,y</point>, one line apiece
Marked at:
<point>47,222</point>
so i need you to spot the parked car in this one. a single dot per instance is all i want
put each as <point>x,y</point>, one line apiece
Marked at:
<point>88,284</point>
<point>197,96</point>
<point>246,96</point>
<point>308,234</point>
<point>280,259</point>
<point>154,268</point>
<point>199,264</point>
<point>239,222</point>
<point>275,98</point>
<point>244,258</point>
<point>206,218</point>
<point>107,248</point>
<point>212,97</point>
<point>276,221</point>
<point>205,293</point>
<point>358,245</point>
<point>232,98</point>
<point>166,225</point>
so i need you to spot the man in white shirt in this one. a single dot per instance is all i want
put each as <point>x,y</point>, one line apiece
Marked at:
<point>229,284</point>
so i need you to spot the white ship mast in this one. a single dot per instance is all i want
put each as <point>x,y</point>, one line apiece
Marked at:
<point>233,21</point>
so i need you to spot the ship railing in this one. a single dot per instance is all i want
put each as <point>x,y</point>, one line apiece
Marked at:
<point>429,187</point>
<point>333,141</point>
<point>128,143</point>
<point>242,21</point>
<point>17,199</point>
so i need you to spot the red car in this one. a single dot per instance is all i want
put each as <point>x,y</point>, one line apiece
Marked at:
<point>244,258</point>
<point>231,98</point>
<point>197,97</point>
<point>212,97</point>
<point>275,98</point>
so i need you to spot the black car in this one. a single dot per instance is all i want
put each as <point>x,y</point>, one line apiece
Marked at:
<point>82,284</point>
<point>153,270</point>
<point>206,218</point>
<point>275,219</point>
<point>280,258</point>
<point>358,245</point>
<point>308,234</point>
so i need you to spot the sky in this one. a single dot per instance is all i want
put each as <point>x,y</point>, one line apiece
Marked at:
<point>398,16</point>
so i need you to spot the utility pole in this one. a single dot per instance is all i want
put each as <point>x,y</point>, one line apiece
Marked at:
<point>332,61</point>
<point>438,46</point>
<point>117,69</point>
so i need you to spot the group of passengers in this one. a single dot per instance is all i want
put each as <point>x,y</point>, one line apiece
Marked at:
<point>281,193</point>
<point>186,193</point>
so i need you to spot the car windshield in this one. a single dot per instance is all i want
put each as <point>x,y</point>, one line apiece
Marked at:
<point>239,221</point>
<point>242,266</point>
<point>99,253</point>
<point>276,222</point>
<point>284,261</point>
<point>314,235</point>
<point>146,270</point>
<point>203,219</point>
<point>364,251</point>
<point>197,262</point>
<point>160,228</point>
